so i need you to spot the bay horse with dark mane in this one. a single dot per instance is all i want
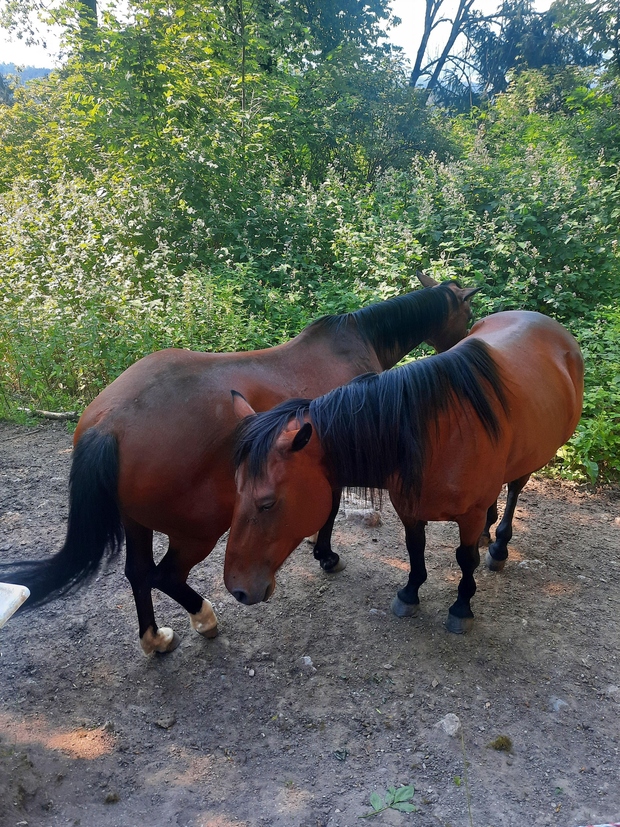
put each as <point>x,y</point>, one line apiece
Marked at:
<point>153,452</point>
<point>441,434</point>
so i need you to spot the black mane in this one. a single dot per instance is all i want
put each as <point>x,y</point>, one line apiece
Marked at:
<point>379,425</point>
<point>398,324</point>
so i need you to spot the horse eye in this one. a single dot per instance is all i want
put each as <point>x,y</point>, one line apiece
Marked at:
<point>266,506</point>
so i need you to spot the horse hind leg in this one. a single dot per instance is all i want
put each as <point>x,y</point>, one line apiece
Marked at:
<point>140,571</point>
<point>170,578</point>
<point>498,551</point>
<point>492,515</point>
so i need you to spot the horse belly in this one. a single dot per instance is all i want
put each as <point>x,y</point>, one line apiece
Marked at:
<point>464,472</point>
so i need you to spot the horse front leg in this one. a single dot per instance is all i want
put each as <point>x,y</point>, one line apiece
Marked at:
<point>170,577</point>
<point>407,603</point>
<point>329,561</point>
<point>498,551</point>
<point>460,616</point>
<point>140,571</point>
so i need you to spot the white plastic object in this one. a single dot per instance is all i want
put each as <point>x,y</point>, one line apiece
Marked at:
<point>11,598</point>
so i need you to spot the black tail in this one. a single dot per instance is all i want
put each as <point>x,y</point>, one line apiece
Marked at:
<point>94,530</point>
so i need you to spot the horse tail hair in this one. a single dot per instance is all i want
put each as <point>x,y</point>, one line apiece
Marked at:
<point>94,531</point>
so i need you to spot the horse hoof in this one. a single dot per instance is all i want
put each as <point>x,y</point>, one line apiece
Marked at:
<point>459,625</point>
<point>163,641</point>
<point>485,540</point>
<point>402,609</point>
<point>205,622</point>
<point>340,566</point>
<point>492,564</point>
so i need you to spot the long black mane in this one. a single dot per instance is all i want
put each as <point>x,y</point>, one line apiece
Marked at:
<point>399,324</point>
<point>379,425</point>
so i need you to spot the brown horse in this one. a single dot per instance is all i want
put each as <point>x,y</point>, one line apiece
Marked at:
<point>153,452</point>
<point>441,434</point>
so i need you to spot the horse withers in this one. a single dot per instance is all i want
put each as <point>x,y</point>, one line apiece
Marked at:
<point>153,452</point>
<point>442,435</point>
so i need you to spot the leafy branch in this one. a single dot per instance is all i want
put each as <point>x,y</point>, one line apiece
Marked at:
<point>394,799</point>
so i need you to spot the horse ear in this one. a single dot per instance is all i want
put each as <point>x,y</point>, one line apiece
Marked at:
<point>468,292</point>
<point>241,406</point>
<point>302,437</point>
<point>427,281</point>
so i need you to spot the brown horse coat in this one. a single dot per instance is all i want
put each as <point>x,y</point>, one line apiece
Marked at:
<point>153,450</point>
<point>526,367</point>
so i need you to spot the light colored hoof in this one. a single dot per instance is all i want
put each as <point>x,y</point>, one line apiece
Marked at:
<point>459,625</point>
<point>402,609</point>
<point>485,541</point>
<point>312,540</point>
<point>205,622</point>
<point>340,566</point>
<point>492,564</point>
<point>162,641</point>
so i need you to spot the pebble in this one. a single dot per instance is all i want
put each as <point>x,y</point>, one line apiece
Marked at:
<point>451,724</point>
<point>167,722</point>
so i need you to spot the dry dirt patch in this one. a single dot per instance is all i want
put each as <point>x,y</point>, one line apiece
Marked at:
<point>304,706</point>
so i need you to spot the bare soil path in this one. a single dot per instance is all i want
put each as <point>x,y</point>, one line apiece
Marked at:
<point>304,706</point>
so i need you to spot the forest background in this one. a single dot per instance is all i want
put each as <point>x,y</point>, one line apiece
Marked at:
<point>215,176</point>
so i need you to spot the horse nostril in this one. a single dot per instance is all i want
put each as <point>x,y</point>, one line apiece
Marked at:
<point>241,596</point>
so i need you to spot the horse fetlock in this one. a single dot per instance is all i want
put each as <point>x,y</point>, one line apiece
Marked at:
<point>205,621</point>
<point>163,640</point>
<point>402,609</point>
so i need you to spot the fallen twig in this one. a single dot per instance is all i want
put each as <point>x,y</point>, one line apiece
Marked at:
<point>63,416</point>
<point>18,436</point>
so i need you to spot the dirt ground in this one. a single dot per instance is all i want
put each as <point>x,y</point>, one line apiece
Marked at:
<point>304,706</point>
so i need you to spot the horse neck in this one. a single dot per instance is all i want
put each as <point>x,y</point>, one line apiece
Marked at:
<point>338,339</point>
<point>395,327</point>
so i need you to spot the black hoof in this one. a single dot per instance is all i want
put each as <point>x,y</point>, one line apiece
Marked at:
<point>492,564</point>
<point>459,625</point>
<point>402,609</point>
<point>339,565</point>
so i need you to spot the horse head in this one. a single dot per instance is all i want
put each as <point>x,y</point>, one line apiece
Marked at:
<point>458,322</point>
<point>289,499</point>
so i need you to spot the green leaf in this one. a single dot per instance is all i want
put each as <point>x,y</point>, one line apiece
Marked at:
<point>404,793</point>
<point>376,801</point>
<point>389,798</point>
<point>404,807</point>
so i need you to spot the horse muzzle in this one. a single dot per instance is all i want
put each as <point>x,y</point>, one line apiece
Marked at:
<point>257,593</point>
